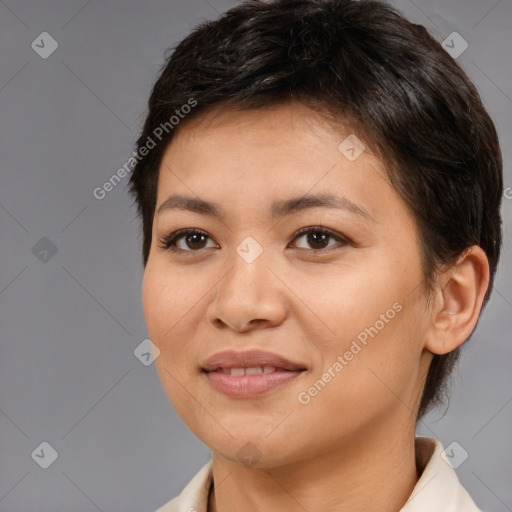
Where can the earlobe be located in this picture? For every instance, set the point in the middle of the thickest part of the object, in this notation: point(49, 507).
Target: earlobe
point(458, 302)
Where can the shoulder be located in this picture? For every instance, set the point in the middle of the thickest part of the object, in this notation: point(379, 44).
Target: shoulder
point(194, 497)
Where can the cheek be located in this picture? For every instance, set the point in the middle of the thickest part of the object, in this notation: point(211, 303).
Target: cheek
point(376, 325)
point(163, 299)
point(346, 301)
point(163, 307)
point(374, 380)
point(171, 300)
point(153, 301)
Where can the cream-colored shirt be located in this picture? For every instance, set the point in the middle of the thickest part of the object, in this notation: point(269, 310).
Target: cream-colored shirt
point(437, 490)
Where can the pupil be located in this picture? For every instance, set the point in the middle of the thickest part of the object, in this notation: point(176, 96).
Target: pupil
point(322, 238)
point(191, 238)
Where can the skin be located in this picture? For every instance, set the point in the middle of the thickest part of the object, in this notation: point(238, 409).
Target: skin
point(351, 448)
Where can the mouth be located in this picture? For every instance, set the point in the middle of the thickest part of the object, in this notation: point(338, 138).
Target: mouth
point(249, 374)
point(254, 370)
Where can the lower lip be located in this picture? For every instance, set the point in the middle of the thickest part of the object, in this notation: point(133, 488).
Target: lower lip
point(248, 386)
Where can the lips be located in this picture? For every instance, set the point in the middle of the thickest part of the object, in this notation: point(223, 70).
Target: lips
point(250, 373)
point(249, 359)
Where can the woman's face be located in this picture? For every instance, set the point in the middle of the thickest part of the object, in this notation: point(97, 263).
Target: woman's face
point(344, 304)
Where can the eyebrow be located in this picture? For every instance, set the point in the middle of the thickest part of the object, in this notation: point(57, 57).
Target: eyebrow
point(278, 209)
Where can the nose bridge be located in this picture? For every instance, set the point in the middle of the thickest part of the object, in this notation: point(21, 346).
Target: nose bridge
point(248, 290)
point(248, 271)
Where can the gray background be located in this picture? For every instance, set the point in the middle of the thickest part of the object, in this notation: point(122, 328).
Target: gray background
point(70, 324)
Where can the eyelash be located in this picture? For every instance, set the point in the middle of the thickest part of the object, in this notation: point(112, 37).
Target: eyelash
point(168, 242)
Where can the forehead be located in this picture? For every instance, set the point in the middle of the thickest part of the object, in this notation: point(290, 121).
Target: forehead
point(288, 118)
point(251, 157)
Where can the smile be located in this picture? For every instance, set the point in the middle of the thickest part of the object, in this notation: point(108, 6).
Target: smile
point(250, 373)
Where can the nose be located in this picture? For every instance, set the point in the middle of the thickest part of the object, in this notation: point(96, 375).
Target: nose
point(249, 297)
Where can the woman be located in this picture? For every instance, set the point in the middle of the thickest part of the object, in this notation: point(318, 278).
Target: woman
point(319, 187)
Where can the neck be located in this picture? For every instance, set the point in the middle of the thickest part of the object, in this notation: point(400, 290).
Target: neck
point(371, 471)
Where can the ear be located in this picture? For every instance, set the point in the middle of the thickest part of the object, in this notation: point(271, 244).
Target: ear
point(458, 301)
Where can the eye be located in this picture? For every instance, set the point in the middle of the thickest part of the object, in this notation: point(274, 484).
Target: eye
point(318, 238)
point(193, 238)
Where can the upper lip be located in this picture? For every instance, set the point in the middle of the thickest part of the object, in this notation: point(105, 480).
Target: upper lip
point(248, 359)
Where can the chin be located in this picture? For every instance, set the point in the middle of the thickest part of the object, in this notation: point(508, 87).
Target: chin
point(257, 455)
